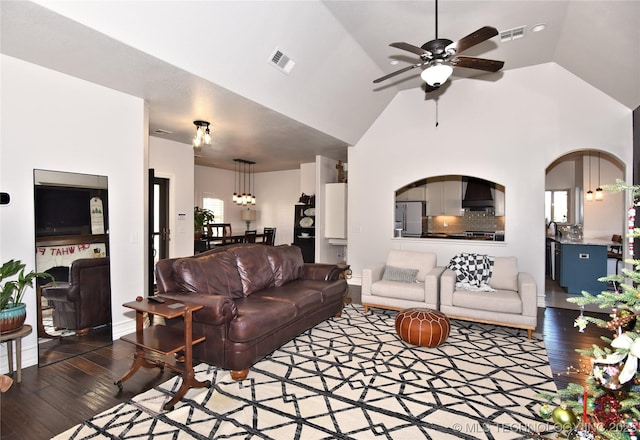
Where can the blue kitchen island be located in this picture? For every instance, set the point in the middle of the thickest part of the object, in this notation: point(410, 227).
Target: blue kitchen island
point(579, 264)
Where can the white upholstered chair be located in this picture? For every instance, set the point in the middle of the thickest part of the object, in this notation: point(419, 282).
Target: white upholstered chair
point(412, 280)
point(512, 304)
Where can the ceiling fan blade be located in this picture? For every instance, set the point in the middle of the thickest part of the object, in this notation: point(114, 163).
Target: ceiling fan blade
point(397, 72)
point(410, 47)
point(477, 63)
point(477, 37)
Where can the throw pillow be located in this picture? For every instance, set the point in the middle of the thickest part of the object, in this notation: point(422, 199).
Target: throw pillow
point(392, 273)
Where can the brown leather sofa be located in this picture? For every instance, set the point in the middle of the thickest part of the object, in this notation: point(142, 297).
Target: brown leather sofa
point(84, 301)
point(256, 298)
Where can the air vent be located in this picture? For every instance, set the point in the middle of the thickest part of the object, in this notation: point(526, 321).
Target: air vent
point(161, 131)
point(512, 34)
point(281, 61)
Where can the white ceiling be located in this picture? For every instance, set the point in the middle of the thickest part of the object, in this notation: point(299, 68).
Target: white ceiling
point(208, 60)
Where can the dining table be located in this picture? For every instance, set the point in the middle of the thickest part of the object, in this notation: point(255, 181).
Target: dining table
point(211, 242)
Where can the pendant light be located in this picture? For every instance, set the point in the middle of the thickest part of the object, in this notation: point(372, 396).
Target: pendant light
point(599, 192)
point(235, 182)
point(589, 193)
point(242, 194)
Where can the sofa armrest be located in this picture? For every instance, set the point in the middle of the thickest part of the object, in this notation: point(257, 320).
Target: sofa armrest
point(217, 309)
point(447, 287)
point(370, 275)
point(528, 294)
point(321, 271)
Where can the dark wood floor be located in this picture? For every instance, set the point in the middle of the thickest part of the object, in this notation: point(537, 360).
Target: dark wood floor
point(57, 397)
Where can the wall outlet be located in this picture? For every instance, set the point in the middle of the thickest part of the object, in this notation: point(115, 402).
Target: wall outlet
point(445, 224)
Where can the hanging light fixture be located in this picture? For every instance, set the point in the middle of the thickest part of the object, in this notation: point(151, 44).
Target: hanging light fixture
point(589, 193)
point(202, 136)
point(599, 192)
point(242, 194)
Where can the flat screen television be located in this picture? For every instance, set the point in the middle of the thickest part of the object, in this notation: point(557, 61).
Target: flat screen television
point(65, 210)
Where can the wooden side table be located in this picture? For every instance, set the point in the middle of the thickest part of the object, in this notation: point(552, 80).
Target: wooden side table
point(17, 337)
point(166, 341)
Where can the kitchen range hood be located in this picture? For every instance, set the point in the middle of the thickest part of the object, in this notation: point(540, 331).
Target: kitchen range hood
point(478, 196)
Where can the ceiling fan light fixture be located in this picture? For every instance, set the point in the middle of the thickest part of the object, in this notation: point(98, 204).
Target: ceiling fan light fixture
point(436, 74)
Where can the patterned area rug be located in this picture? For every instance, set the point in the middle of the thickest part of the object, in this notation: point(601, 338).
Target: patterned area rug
point(353, 378)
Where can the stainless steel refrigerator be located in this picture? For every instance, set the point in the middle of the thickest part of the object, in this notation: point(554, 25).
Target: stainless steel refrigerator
point(408, 219)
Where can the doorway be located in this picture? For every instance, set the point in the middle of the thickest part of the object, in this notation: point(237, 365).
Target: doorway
point(160, 233)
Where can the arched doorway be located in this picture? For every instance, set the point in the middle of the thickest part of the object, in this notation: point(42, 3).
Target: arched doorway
point(582, 219)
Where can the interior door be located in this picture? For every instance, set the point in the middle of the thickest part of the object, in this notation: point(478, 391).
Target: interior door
point(159, 223)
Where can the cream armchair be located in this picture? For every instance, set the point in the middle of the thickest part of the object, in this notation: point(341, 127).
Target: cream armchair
point(412, 280)
point(512, 304)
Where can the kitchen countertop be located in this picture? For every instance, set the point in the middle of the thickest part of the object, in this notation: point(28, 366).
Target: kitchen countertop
point(586, 241)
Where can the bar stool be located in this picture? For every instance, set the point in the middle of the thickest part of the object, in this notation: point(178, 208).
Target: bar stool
point(17, 337)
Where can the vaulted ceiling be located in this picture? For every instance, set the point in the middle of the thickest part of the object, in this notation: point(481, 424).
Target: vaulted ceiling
point(210, 60)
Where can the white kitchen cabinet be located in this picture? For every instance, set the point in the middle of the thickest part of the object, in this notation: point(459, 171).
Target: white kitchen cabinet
point(417, 194)
point(335, 210)
point(498, 200)
point(444, 197)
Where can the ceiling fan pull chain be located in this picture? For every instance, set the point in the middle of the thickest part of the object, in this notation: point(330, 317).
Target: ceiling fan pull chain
point(437, 122)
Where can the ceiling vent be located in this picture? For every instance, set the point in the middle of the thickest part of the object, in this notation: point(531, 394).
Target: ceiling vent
point(281, 61)
point(512, 34)
point(162, 132)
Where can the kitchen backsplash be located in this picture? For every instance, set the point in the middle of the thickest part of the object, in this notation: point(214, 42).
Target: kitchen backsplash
point(470, 221)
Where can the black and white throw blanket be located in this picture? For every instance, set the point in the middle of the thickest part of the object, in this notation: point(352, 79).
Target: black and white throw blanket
point(473, 271)
point(353, 378)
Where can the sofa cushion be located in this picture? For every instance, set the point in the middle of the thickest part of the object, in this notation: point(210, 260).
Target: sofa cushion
point(215, 274)
point(254, 268)
point(392, 273)
point(304, 298)
point(259, 317)
point(286, 263)
point(499, 301)
point(331, 291)
point(396, 289)
point(505, 273)
point(423, 261)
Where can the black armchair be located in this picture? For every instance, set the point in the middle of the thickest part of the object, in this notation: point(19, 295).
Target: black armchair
point(84, 301)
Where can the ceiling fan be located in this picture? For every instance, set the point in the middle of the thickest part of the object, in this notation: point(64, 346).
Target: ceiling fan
point(441, 55)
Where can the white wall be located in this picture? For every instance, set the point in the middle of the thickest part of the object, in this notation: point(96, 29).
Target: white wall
point(506, 131)
point(276, 194)
point(57, 122)
point(174, 161)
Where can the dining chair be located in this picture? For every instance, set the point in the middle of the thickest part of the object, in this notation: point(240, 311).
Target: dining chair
point(269, 236)
point(614, 251)
point(250, 236)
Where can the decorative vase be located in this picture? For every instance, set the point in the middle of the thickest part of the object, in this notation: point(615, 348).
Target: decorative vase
point(12, 318)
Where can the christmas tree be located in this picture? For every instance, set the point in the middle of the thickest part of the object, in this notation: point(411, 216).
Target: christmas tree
point(608, 405)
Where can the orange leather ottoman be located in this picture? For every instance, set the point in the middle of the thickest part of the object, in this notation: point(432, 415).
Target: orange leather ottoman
point(425, 327)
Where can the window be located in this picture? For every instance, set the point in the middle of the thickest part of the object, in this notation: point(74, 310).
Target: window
point(556, 205)
point(215, 205)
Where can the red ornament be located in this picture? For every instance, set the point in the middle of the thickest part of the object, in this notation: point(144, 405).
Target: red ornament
point(607, 410)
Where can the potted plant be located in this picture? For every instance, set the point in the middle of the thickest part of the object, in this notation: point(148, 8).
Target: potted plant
point(201, 217)
point(13, 283)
